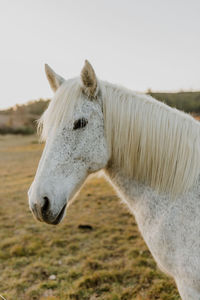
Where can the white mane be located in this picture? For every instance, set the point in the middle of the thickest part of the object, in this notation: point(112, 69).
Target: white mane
point(148, 140)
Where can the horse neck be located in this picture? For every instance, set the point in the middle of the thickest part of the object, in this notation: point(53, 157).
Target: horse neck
point(145, 203)
point(129, 190)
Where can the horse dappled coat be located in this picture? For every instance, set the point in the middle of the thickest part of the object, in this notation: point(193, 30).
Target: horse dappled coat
point(149, 152)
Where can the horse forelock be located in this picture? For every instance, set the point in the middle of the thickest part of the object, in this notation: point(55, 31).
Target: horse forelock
point(60, 108)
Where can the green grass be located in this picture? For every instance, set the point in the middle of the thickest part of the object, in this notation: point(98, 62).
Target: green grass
point(107, 261)
point(186, 101)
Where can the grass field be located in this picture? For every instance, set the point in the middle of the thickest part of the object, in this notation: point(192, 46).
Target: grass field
point(106, 260)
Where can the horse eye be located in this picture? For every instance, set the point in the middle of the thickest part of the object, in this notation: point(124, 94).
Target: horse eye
point(80, 123)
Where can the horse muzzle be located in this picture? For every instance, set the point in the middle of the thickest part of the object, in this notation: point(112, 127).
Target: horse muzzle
point(43, 212)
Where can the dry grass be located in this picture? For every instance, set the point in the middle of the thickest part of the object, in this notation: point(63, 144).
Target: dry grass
point(108, 260)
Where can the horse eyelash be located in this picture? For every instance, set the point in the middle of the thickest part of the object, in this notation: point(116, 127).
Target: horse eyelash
point(80, 123)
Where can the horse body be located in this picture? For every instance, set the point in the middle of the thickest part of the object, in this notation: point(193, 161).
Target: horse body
point(170, 229)
point(148, 151)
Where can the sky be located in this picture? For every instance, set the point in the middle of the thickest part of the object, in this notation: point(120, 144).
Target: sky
point(140, 44)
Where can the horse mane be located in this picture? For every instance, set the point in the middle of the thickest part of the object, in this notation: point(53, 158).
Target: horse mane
point(149, 141)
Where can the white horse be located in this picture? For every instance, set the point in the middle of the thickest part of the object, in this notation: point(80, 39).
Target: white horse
point(149, 152)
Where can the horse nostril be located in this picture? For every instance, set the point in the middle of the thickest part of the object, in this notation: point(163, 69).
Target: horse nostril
point(45, 206)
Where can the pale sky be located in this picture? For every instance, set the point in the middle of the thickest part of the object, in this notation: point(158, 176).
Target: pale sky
point(140, 44)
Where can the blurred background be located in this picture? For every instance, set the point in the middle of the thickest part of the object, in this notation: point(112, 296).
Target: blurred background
point(147, 46)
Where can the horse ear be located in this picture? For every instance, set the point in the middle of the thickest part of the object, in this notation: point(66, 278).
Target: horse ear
point(89, 80)
point(54, 79)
